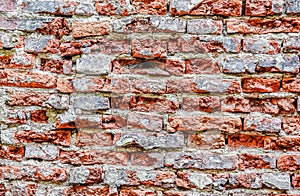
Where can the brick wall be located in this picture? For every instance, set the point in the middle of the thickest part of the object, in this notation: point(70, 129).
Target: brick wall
point(149, 97)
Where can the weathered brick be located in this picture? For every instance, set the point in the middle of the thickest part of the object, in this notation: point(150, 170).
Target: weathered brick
point(256, 161)
point(263, 7)
point(149, 48)
point(291, 85)
point(245, 140)
point(215, 7)
point(205, 104)
point(202, 66)
point(16, 117)
point(262, 124)
point(7, 5)
point(145, 104)
point(148, 86)
point(207, 140)
point(203, 123)
point(204, 26)
point(296, 181)
point(211, 84)
point(44, 151)
point(262, 26)
point(155, 7)
point(288, 162)
point(238, 65)
point(268, 106)
point(41, 44)
point(146, 121)
point(261, 46)
point(150, 24)
point(27, 98)
point(292, 44)
point(32, 173)
point(12, 153)
point(293, 7)
point(238, 180)
point(91, 102)
point(87, 29)
point(85, 84)
point(198, 44)
point(90, 157)
point(110, 8)
point(84, 138)
point(126, 192)
point(193, 180)
point(85, 175)
point(153, 160)
point(290, 143)
point(87, 190)
point(57, 27)
point(111, 46)
point(149, 140)
point(93, 64)
point(291, 125)
point(61, 137)
point(205, 161)
point(260, 85)
point(278, 181)
point(27, 79)
point(8, 24)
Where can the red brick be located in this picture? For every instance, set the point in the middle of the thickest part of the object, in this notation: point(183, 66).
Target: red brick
point(262, 26)
point(261, 46)
point(64, 85)
point(71, 48)
point(145, 104)
point(202, 66)
point(39, 116)
point(215, 7)
point(112, 46)
point(27, 98)
point(288, 162)
point(147, 121)
point(87, 190)
point(260, 85)
point(87, 29)
point(176, 67)
point(182, 85)
point(56, 66)
point(156, 7)
point(18, 60)
point(203, 123)
point(296, 181)
point(90, 157)
point(7, 5)
point(155, 160)
point(245, 140)
point(61, 137)
point(85, 175)
point(57, 27)
point(2, 189)
point(149, 48)
point(263, 7)
point(291, 85)
point(205, 104)
point(269, 106)
point(84, 138)
point(12, 153)
point(110, 8)
point(286, 143)
point(207, 140)
point(291, 125)
point(130, 192)
point(256, 161)
point(27, 79)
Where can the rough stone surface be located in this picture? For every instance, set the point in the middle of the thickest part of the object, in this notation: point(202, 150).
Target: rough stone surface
point(149, 97)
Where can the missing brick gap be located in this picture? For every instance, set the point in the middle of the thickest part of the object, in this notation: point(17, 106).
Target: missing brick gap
point(244, 7)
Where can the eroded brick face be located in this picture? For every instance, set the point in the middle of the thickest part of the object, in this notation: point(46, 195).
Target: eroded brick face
point(149, 97)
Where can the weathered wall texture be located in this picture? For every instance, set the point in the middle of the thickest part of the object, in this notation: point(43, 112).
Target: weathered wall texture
point(149, 97)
